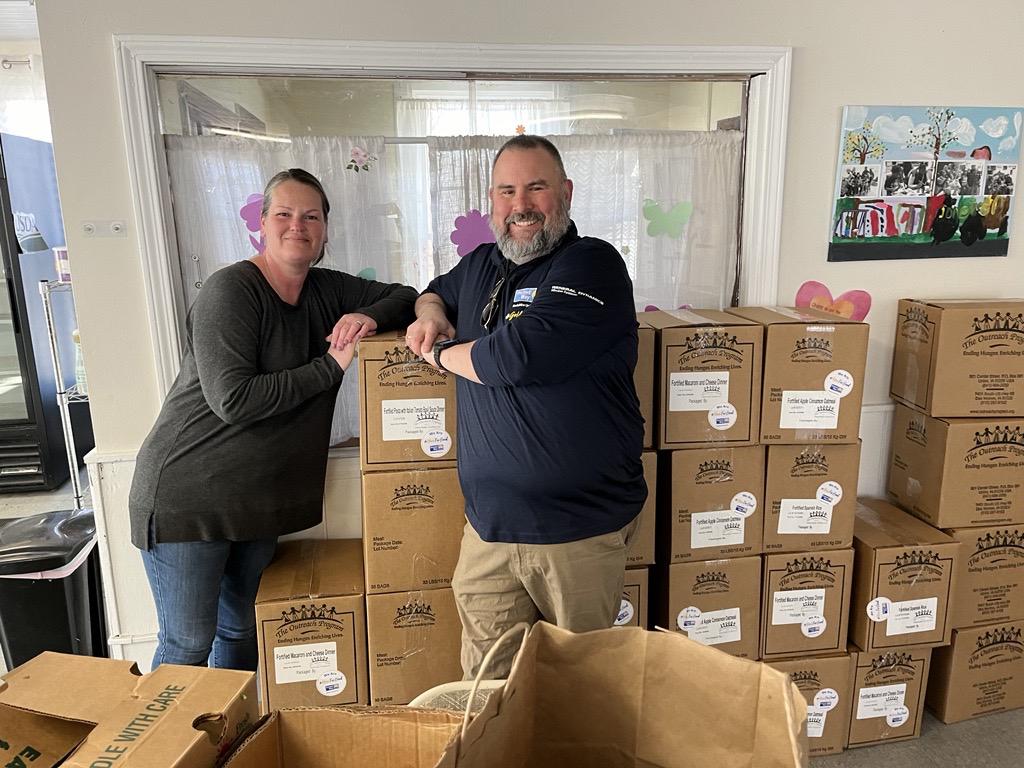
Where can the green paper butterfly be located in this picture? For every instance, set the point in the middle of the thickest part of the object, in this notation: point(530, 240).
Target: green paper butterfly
point(369, 273)
point(662, 223)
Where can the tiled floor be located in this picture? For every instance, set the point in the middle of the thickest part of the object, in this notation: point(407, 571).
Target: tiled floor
point(995, 741)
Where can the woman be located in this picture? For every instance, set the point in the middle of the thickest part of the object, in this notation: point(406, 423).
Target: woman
point(238, 453)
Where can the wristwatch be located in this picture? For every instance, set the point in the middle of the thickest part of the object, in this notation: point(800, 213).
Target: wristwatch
point(441, 346)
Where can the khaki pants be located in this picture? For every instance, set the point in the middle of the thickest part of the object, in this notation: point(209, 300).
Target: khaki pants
point(576, 586)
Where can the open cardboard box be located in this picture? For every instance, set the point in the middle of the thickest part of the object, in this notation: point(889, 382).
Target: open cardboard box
point(83, 712)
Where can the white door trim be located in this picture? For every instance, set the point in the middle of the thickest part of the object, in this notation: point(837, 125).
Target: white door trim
point(139, 57)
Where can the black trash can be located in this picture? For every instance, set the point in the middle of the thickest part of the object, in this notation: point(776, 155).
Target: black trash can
point(51, 596)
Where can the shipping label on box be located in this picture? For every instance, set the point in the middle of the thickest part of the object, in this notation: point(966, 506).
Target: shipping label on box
point(957, 472)
point(414, 641)
point(311, 625)
point(709, 386)
point(810, 497)
point(412, 528)
point(805, 608)
point(813, 375)
point(905, 576)
point(407, 415)
point(824, 682)
point(712, 503)
point(960, 358)
point(633, 606)
point(641, 547)
point(888, 695)
point(991, 583)
point(981, 672)
point(716, 603)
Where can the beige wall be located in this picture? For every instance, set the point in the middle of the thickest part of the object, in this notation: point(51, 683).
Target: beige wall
point(842, 55)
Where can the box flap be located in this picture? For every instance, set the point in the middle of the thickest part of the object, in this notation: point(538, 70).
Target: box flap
point(72, 687)
point(683, 318)
point(880, 524)
point(312, 568)
point(784, 315)
point(369, 737)
point(972, 303)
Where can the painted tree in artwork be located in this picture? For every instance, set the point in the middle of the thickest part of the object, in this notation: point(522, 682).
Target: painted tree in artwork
point(937, 134)
point(862, 144)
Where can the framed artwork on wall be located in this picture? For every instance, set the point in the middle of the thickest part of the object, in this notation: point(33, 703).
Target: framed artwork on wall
point(924, 182)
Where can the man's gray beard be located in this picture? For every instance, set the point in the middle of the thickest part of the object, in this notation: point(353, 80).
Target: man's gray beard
point(552, 230)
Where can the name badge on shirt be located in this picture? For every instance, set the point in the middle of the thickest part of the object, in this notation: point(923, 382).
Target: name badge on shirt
point(524, 295)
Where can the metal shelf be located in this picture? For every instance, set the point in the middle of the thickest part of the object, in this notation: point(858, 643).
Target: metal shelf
point(64, 396)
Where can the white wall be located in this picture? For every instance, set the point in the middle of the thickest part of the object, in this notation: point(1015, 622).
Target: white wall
point(894, 54)
point(839, 58)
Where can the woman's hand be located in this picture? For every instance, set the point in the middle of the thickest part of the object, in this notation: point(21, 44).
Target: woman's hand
point(350, 329)
point(343, 357)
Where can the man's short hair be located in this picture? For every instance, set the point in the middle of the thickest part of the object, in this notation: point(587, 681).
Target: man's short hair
point(528, 141)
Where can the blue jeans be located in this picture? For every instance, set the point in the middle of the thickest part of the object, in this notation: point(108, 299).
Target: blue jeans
point(204, 593)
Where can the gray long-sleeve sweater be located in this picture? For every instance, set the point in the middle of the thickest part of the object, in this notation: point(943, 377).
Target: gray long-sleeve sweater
point(239, 450)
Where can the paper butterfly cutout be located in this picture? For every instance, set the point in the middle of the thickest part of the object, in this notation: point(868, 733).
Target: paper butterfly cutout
point(470, 231)
point(670, 223)
point(251, 213)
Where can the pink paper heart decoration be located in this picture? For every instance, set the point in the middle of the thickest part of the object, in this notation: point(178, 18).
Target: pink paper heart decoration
point(854, 305)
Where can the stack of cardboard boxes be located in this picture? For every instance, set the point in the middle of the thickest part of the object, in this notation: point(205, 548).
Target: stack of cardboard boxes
point(957, 462)
point(413, 516)
point(374, 620)
point(757, 422)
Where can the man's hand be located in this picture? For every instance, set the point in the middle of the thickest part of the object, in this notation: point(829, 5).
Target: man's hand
point(350, 329)
point(431, 324)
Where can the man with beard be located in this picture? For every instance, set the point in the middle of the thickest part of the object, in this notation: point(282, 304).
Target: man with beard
point(541, 331)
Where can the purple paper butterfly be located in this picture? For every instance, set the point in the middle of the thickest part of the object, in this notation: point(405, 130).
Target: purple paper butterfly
point(470, 231)
point(251, 213)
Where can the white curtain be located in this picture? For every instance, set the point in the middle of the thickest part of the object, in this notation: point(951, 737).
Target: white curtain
point(668, 201)
point(213, 177)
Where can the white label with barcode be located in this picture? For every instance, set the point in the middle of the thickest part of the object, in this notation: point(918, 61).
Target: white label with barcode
point(411, 419)
point(909, 616)
point(697, 390)
point(716, 627)
point(792, 606)
point(804, 516)
point(813, 409)
point(721, 528)
point(299, 663)
point(880, 700)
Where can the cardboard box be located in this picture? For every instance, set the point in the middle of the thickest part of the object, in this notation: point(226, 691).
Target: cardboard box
point(712, 503)
point(904, 579)
point(81, 712)
point(981, 672)
point(810, 497)
point(311, 625)
point(824, 682)
point(415, 639)
point(641, 546)
point(806, 603)
point(357, 736)
point(412, 527)
point(715, 602)
point(991, 584)
point(957, 472)
point(813, 375)
point(709, 378)
point(633, 609)
point(407, 417)
point(960, 358)
point(888, 695)
point(644, 375)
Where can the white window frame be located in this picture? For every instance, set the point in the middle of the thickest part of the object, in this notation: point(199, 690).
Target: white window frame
point(138, 58)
